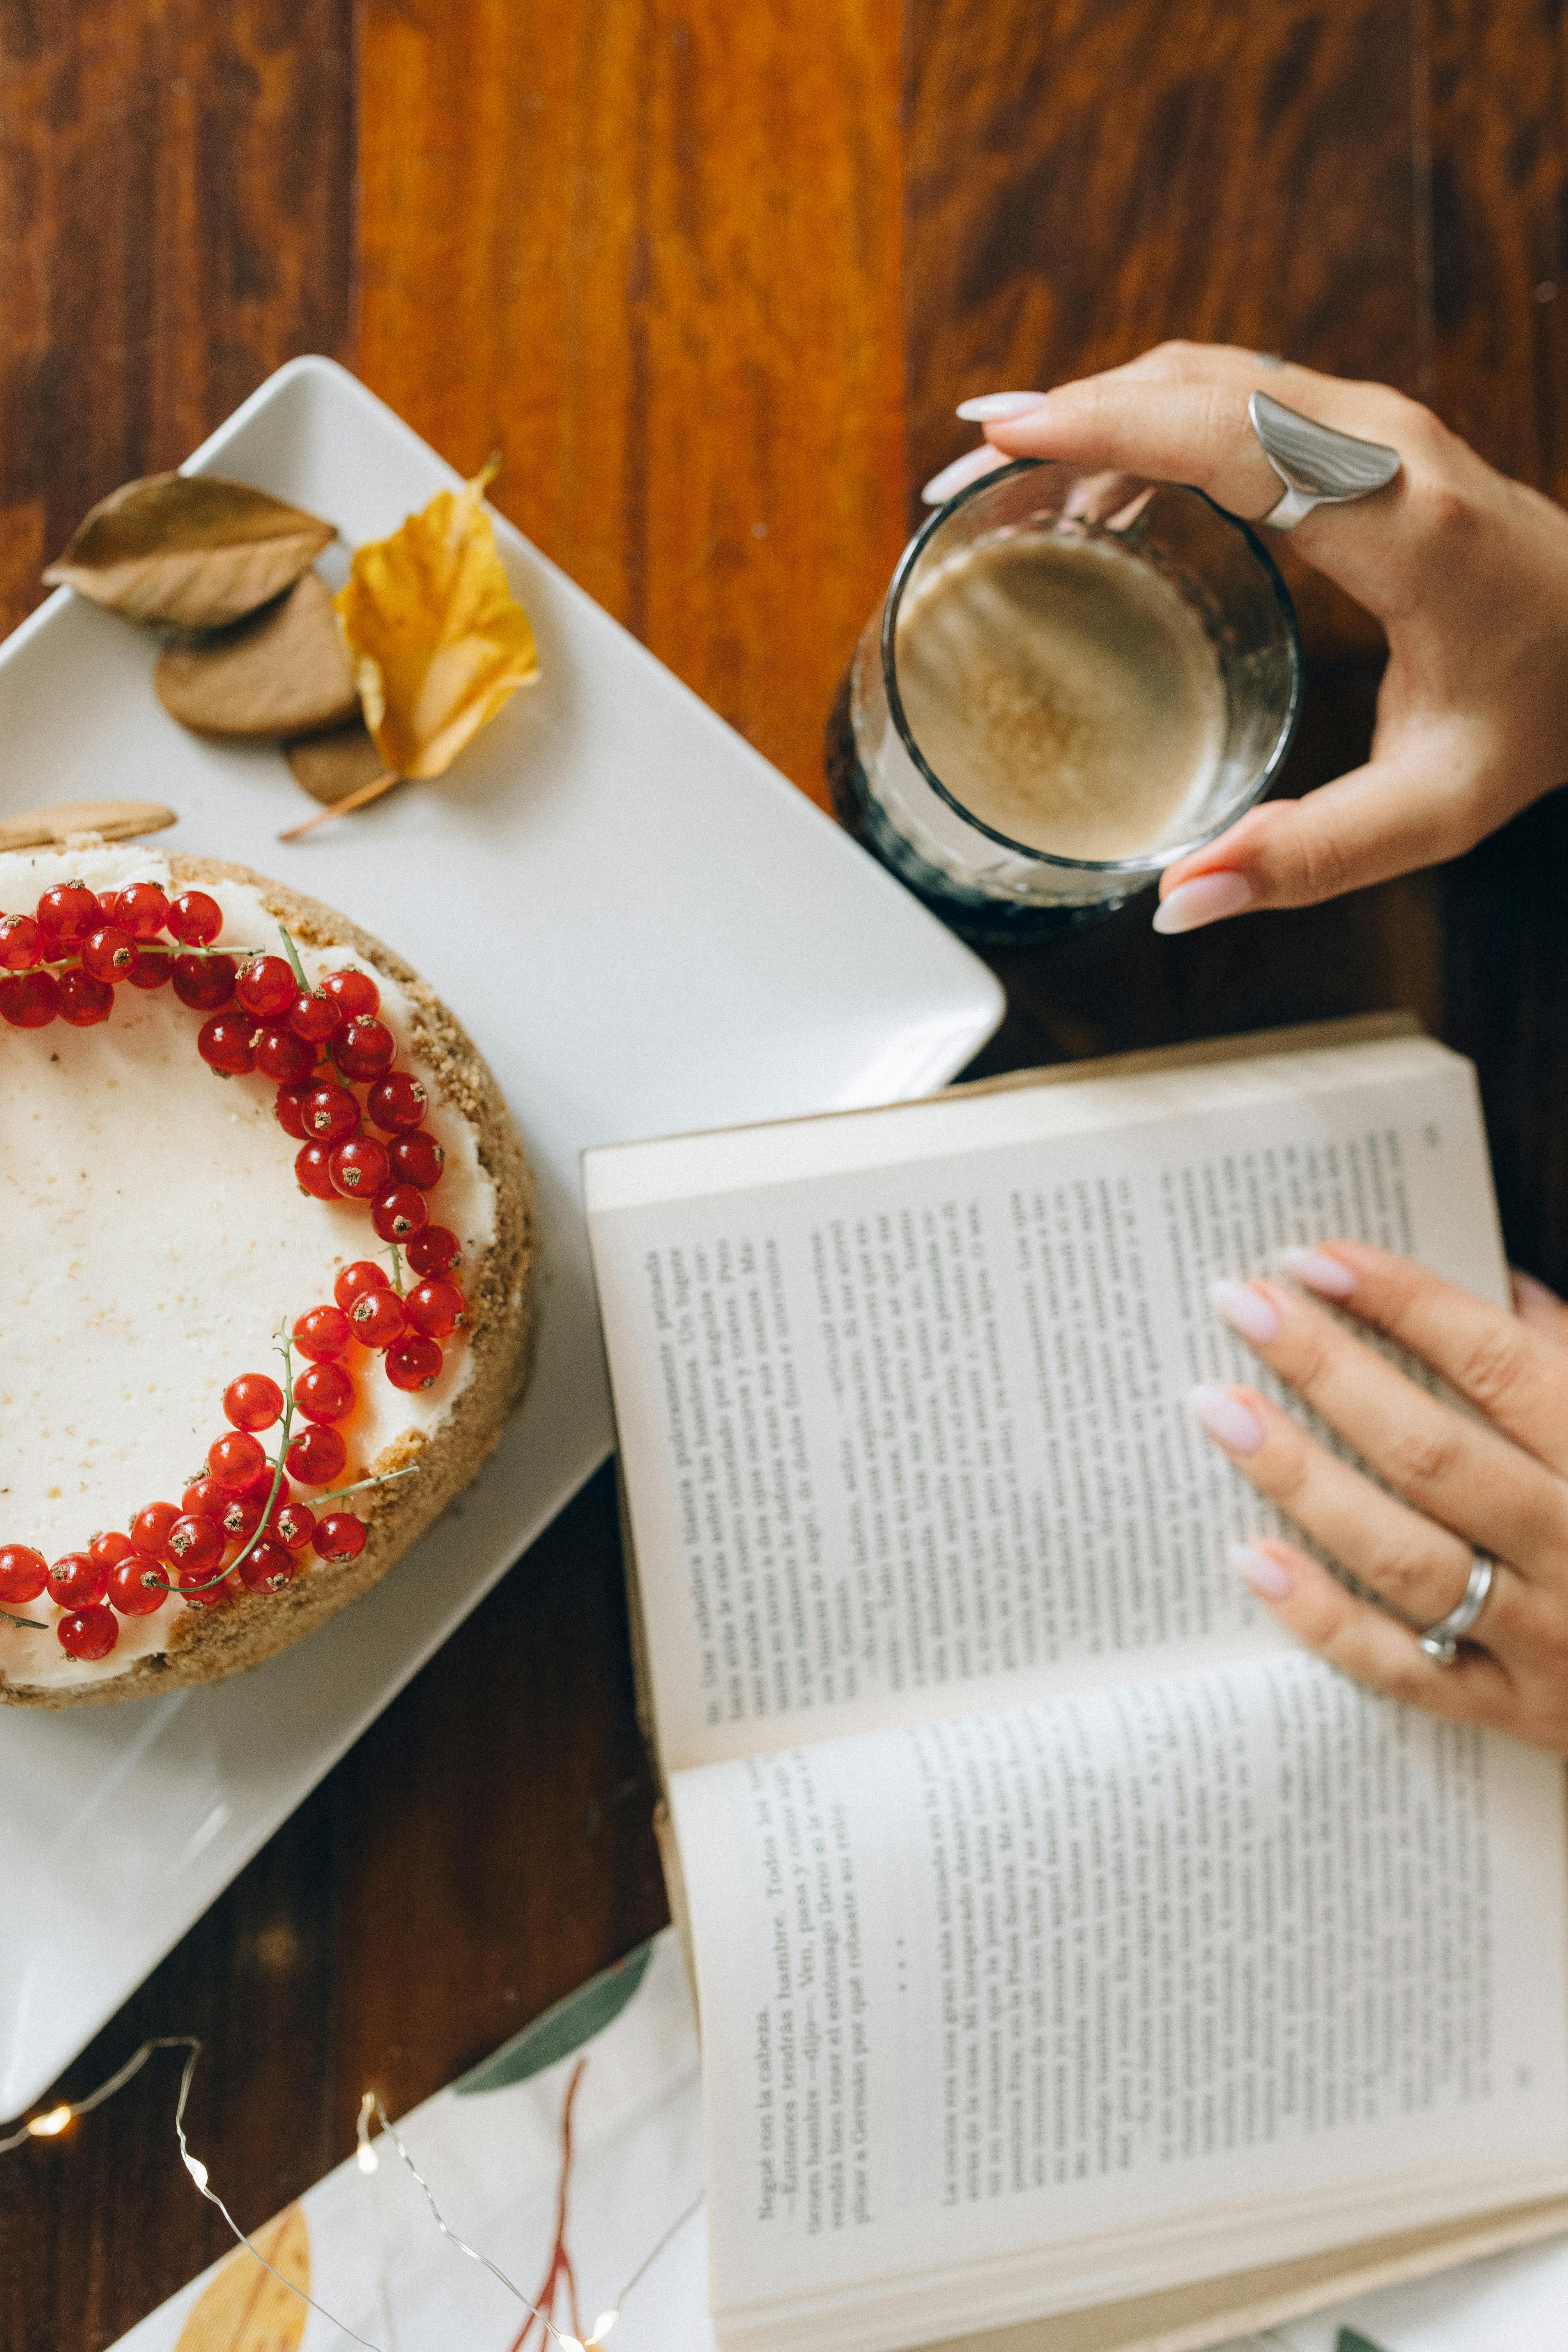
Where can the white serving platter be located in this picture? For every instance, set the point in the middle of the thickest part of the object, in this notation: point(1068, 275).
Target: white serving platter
point(644, 927)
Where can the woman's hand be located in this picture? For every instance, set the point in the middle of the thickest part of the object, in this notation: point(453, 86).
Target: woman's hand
point(1466, 571)
point(1499, 1485)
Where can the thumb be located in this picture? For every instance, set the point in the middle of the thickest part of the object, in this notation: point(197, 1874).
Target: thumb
point(1380, 820)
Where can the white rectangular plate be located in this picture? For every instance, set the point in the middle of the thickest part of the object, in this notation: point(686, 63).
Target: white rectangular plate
point(644, 927)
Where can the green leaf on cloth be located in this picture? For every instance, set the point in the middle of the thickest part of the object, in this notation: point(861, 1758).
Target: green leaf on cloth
point(561, 2030)
point(1351, 2341)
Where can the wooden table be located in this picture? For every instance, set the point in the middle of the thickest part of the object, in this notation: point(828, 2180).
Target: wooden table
point(711, 279)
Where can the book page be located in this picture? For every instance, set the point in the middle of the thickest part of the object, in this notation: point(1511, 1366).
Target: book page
point(901, 1396)
point(1117, 1990)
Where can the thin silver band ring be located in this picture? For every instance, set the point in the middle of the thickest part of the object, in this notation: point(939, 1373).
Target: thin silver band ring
point(1441, 1641)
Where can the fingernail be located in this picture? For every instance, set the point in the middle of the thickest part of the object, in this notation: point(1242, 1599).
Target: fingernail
point(1208, 898)
point(1227, 1421)
point(1265, 1575)
point(1527, 1290)
point(991, 406)
point(962, 471)
point(1319, 1272)
point(1249, 1315)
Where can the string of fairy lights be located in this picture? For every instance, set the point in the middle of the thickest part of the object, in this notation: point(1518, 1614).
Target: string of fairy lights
point(52, 2121)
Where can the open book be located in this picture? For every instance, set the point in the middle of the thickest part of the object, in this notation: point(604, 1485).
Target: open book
point(1079, 1964)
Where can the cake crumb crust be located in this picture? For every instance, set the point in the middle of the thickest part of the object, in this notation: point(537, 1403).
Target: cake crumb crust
point(207, 1644)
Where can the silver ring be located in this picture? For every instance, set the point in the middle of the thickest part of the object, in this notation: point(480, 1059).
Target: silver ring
point(1317, 465)
point(1441, 1641)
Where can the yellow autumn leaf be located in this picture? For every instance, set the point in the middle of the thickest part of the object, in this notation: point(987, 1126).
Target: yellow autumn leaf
point(245, 2309)
point(438, 641)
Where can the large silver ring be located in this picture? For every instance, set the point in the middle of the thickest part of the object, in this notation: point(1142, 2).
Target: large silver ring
point(1441, 1641)
point(1317, 465)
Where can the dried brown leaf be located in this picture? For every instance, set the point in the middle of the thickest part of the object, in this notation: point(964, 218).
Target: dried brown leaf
point(110, 820)
point(189, 548)
point(331, 766)
point(439, 644)
point(283, 671)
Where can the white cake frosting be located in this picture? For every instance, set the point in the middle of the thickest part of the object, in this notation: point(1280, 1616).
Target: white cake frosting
point(156, 1237)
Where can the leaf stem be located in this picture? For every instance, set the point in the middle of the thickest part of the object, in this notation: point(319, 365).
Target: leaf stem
point(355, 800)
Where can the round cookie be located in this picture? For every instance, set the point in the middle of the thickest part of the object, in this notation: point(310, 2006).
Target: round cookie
point(445, 1435)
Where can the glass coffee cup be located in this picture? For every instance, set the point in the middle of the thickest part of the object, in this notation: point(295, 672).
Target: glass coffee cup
point(1074, 679)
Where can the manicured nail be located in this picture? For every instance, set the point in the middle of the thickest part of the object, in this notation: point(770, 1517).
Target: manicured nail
point(1329, 1277)
point(1227, 1421)
point(1265, 1575)
point(1207, 898)
point(1249, 1315)
point(1528, 1292)
point(991, 406)
point(963, 471)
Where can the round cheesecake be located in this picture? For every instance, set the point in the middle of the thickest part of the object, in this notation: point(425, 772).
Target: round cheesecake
point(159, 1240)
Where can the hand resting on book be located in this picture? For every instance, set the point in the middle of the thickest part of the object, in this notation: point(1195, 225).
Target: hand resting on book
point(1466, 571)
point(1497, 1485)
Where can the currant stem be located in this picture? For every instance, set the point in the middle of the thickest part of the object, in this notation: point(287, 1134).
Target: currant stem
point(158, 947)
point(287, 1352)
point(397, 1269)
point(333, 1494)
point(293, 954)
point(31, 1625)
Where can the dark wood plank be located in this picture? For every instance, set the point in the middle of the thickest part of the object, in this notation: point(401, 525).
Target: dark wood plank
point(1089, 178)
point(177, 207)
point(1498, 126)
point(662, 244)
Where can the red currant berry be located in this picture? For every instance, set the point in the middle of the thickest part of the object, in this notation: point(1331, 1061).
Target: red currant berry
point(194, 919)
point(316, 1457)
point(282, 1055)
point(152, 969)
point(237, 1462)
point(29, 999)
point(324, 1393)
point(109, 954)
point(201, 1591)
point(137, 1585)
point(364, 1049)
point(241, 1517)
point(435, 1250)
point(356, 1279)
point(322, 1334)
point(338, 1537)
point(397, 1103)
point(360, 1168)
point(416, 1159)
point(354, 994)
point(141, 909)
point(149, 1528)
point(414, 1362)
point(399, 1212)
point(313, 1168)
point(315, 1017)
point(109, 1548)
point(378, 1318)
point(76, 1581)
point(84, 1002)
point(331, 1114)
point(89, 1633)
point(194, 1541)
point(253, 1401)
point(290, 1109)
point(223, 1044)
point(21, 943)
point(24, 1572)
point(437, 1308)
point(67, 913)
point(294, 1524)
point(204, 982)
point(267, 987)
point(205, 1498)
point(267, 1567)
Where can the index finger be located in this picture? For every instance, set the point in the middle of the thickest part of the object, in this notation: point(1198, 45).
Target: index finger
point(1507, 1369)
